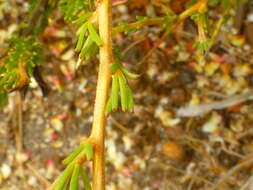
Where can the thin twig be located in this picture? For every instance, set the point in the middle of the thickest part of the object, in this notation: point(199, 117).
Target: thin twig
point(247, 184)
point(201, 109)
point(20, 123)
point(138, 24)
point(132, 45)
point(184, 172)
point(249, 132)
point(38, 175)
point(119, 125)
point(177, 22)
point(192, 181)
point(232, 171)
point(18, 127)
point(117, 3)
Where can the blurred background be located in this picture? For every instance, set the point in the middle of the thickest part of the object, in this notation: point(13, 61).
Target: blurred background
point(153, 148)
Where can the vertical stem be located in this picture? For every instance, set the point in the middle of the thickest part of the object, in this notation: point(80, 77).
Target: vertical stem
point(98, 128)
point(20, 123)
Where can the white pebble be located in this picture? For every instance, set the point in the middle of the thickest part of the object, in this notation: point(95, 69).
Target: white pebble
point(6, 171)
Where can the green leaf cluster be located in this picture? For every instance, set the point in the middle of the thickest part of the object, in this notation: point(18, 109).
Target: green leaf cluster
point(87, 149)
point(88, 41)
point(69, 178)
point(25, 50)
point(72, 9)
point(203, 45)
point(120, 90)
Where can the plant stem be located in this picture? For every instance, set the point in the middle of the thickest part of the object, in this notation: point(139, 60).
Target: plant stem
point(139, 24)
point(176, 23)
point(98, 128)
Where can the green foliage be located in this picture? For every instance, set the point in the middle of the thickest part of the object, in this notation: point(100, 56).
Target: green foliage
point(126, 28)
point(3, 97)
point(42, 22)
point(202, 17)
point(24, 53)
point(123, 91)
point(224, 3)
point(73, 155)
point(191, 3)
point(115, 92)
point(72, 9)
point(203, 46)
point(69, 176)
point(128, 74)
point(120, 90)
point(22, 50)
point(85, 179)
point(42, 19)
point(86, 148)
point(213, 3)
point(74, 179)
point(32, 5)
point(88, 38)
point(88, 41)
point(63, 178)
point(93, 34)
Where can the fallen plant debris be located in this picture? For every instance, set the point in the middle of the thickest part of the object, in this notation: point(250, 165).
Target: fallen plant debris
point(200, 110)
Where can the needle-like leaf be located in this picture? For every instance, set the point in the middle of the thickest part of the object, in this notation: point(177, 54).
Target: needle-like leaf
point(86, 47)
point(74, 178)
point(73, 155)
point(93, 50)
point(80, 41)
point(130, 100)
point(85, 178)
point(128, 74)
point(70, 10)
point(123, 91)
point(88, 148)
point(83, 18)
point(63, 178)
point(115, 92)
point(94, 35)
point(115, 66)
point(108, 108)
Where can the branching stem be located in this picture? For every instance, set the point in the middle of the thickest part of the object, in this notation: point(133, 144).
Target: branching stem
point(98, 127)
point(188, 12)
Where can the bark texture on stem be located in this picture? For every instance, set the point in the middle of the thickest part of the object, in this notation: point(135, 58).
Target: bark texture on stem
point(98, 128)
